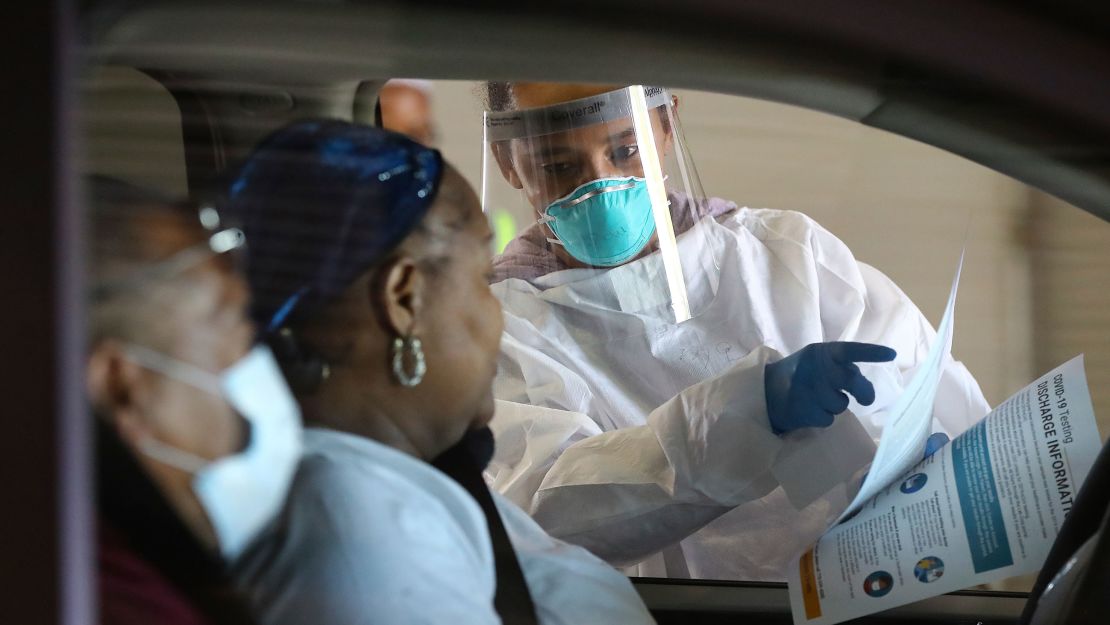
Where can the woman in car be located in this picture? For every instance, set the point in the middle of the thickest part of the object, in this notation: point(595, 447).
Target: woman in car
point(197, 434)
point(368, 264)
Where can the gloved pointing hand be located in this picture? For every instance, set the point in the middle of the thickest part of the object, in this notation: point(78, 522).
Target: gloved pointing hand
point(806, 389)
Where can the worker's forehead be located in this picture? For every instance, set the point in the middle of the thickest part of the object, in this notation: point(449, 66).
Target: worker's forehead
point(533, 94)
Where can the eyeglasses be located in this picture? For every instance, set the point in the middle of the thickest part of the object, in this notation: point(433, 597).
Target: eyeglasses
point(179, 262)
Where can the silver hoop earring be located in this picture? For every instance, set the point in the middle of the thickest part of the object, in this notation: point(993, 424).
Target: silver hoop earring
point(412, 346)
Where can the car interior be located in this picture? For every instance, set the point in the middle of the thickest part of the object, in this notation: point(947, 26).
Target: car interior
point(175, 94)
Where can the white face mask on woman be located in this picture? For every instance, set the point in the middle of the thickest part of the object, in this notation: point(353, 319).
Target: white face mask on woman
point(241, 492)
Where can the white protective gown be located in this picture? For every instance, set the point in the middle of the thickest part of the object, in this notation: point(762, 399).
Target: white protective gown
point(629, 444)
point(372, 535)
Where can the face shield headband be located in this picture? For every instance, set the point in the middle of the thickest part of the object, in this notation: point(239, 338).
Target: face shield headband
point(567, 116)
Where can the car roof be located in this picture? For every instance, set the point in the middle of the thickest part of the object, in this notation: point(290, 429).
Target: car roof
point(965, 80)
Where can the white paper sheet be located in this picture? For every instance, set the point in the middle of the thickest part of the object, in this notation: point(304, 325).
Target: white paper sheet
point(902, 443)
point(986, 507)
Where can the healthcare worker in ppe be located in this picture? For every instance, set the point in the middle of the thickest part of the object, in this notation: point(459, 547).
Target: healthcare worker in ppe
point(672, 363)
point(197, 434)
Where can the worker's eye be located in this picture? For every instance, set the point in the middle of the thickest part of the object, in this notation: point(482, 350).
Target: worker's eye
point(556, 168)
point(625, 153)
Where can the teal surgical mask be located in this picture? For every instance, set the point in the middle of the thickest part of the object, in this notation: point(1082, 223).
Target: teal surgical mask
point(605, 222)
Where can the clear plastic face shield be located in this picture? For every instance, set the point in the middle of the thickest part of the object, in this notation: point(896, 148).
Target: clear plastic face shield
point(610, 209)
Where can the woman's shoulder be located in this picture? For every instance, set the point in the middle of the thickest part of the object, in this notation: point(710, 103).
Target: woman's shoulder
point(345, 472)
point(133, 591)
point(369, 530)
point(353, 498)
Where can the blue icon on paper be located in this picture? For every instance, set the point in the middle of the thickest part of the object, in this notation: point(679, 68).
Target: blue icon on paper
point(928, 569)
point(914, 483)
point(878, 584)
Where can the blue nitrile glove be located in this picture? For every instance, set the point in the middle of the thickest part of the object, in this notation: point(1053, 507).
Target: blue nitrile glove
point(935, 442)
point(806, 389)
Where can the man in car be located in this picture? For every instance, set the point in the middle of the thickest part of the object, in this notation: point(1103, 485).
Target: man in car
point(658, 341)
point(406, 107)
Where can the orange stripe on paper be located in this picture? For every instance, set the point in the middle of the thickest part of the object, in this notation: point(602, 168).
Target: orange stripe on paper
point(809, 586)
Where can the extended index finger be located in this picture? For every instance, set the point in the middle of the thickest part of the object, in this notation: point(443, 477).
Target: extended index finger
point(844, 352)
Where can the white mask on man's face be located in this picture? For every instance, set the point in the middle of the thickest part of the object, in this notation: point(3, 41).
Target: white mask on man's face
point(242, 492)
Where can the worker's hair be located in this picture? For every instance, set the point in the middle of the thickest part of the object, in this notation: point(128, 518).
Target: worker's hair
point(499, 96)
point(120, 245)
